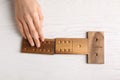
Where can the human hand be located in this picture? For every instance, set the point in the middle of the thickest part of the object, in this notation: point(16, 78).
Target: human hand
point(30, 19)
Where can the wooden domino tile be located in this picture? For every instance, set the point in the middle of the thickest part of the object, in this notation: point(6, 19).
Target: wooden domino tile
point(47, 47)
point(71, 46)
point(96, 47)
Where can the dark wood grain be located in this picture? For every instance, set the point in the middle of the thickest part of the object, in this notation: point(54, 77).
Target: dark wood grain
point(47, 47)
point(96, 47)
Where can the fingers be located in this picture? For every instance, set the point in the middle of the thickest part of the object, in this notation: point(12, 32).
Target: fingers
point(32, 30)
point(21, 28)
point(29, 26)
point(38, 25)
point(40, 16)
point(27, 32)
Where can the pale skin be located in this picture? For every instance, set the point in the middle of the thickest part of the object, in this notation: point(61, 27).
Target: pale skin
point(30, 20)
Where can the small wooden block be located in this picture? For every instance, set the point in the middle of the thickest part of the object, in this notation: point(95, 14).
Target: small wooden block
point(96, 47)
point(80, 46)
point(63, 46)
point(47, 47)
point(71, 46)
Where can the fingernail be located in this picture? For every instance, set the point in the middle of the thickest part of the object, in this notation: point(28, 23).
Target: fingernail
point(32, 44)
point(42, 40)
point(38, 46)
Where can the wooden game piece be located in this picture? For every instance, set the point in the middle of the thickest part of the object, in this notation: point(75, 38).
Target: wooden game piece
point(71, 46)
point(96, 47)
point(47, 47)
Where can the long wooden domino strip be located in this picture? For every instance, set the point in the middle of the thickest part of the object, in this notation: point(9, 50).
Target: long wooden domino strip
point(93, 46)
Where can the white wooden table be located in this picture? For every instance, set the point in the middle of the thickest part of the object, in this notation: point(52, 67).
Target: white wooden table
point(63, 18)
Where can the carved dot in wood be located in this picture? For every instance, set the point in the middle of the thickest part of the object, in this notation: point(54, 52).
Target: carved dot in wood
point(60, 50)
point(96, 39)
point(68, 50)
point(96, 54)
point(25, 48)
point(33, 49)
point(61, 41)
point(69, 41)
point(43, 50)
point(48, 50)
point(47, 42)
point(64, 50)
point(79, 46)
